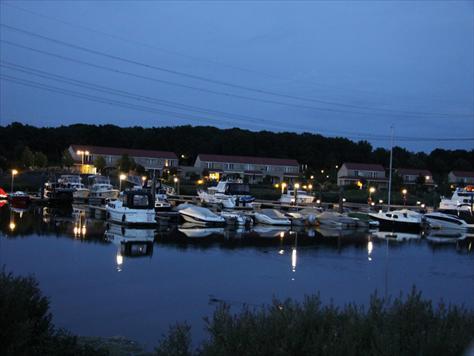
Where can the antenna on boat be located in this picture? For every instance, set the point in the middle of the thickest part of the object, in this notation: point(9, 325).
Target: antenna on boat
point(390, 170)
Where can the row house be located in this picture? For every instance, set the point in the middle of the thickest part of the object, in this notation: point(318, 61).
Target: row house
point(254, 169)
point(412, 176)
point(85, 156)
point(355, 173)
point(461, 177)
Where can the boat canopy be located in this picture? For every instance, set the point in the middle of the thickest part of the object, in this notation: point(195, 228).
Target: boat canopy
point(138, 199)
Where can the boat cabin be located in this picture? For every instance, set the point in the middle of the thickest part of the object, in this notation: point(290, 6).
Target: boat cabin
point(138, 199)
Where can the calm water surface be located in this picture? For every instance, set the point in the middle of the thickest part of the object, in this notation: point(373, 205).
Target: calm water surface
point(104, 280)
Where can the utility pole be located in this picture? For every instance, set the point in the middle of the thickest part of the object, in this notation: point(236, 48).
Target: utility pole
point(390, 169)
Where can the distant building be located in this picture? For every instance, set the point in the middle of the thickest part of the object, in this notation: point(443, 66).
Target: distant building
point(411, 176)
point(85, 156)
point(352, 173)
point(461, 177)
point(252, 168)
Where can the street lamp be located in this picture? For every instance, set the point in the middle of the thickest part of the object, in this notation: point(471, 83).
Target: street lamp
point(297, 186)
point(121, 178)
point(283, 186)
point(14, 173)
point(371, 191)
point(176, 184)
point(404, 192)
point(310, 188)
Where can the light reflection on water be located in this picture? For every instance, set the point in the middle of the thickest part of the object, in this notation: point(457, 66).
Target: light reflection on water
point(105, 279)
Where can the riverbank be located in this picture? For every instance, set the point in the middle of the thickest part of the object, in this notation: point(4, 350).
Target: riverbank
point(407, 324)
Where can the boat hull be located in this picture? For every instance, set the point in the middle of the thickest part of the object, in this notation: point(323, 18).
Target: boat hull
point(127, 216)
point(390, 225)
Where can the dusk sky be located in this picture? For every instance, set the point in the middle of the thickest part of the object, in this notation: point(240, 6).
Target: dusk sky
point(340, 68)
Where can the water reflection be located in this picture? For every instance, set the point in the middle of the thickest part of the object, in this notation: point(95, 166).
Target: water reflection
point(130, 242)
point(77, 223)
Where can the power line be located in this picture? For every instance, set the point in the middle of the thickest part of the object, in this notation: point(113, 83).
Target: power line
point(190, 87)
point(214, 81)
point(112, 102)
point(140, 97)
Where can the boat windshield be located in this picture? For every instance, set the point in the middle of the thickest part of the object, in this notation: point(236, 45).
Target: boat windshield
point(237, 189)
point(140, 201)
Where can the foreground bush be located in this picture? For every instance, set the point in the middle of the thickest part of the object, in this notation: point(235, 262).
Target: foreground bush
point(25, 322)
point(403, 326)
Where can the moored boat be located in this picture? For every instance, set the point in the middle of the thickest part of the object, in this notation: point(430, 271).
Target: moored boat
point(398, 220)
point(227, 194)
point(200, 215)
point(271, 217)
point(134, 207)
point(438, 220)
point(19, 199)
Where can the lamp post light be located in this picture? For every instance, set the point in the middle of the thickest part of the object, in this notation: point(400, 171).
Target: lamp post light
point(14, 173)
point(371, 191)
point(310, 188)
point(121, 178)
point(176, 184)
point(283, 186)
point(404, 193)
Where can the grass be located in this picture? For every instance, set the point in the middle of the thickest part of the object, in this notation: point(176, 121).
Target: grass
point(400, 326)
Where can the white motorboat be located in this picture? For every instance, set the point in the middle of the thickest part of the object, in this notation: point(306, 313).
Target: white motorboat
point(199, 215)
point(460, 204)
point(235, 218)
point(227, 194)
point(81, 193)
point(132, 207)
point(437, 220)
point(101, 189)
point(334, 219)
point(271, 217)
point(399, 220)
point(296, 197)
point(161, 200)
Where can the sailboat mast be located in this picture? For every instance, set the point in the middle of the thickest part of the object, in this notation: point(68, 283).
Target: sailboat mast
point(390, 169)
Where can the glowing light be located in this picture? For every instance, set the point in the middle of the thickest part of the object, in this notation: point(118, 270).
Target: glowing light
point(322, 171)
point(119, 259)
point(143, 178)
point(297, 185)
point(175, 179)
point(318, 201)
point(305, 187)
point(86, 153)
point(84, 230)
point(327, 176)
point(312, 177)
point(76, 230)
point(380, 201)
point(293, 260)
point(427, 177)
point(337, 166)
point(310, 186)
point(79, 152)
point(404, 191)
point(12, 225)
point(277, 185)
point(123, 177)
point(281, 252)
point(423, 206)
point(359, 184)
point(200, 181)
point(418, 202)
point(343, 200)
point(372, 204)
point(370, 247)
point(282, 234)
point(372, 189)
point(14, 172)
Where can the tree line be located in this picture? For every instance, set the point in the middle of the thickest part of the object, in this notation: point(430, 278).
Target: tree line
point(313, 150)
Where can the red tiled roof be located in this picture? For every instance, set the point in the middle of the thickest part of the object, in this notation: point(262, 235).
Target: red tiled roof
point(365, 166)
point(414, 172)
point(115, 151)
point(248, 160)
point(366, 178)
point(463, 174)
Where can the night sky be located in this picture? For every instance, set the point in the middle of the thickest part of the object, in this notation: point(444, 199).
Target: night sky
point(340, 68)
